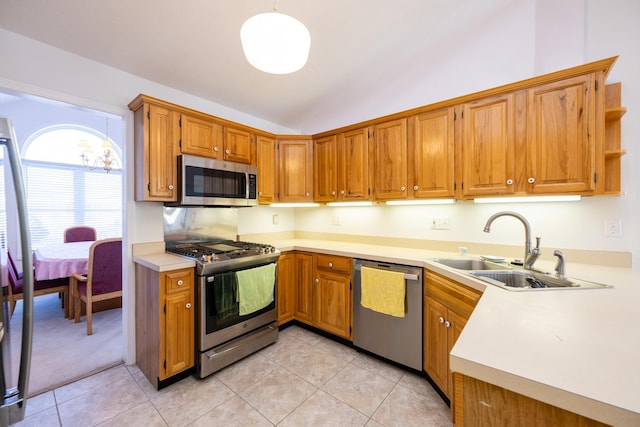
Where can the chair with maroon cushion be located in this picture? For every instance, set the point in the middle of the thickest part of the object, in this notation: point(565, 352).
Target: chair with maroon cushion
point(40, 287)
point(103, 280)
point(80, 233)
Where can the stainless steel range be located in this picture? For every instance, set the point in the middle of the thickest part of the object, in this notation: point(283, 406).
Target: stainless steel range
point(236, 299)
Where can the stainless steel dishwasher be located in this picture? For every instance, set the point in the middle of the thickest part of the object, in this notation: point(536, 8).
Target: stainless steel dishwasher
point(395, 338)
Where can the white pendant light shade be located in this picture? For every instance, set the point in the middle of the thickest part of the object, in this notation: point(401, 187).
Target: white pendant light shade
point(275, 43)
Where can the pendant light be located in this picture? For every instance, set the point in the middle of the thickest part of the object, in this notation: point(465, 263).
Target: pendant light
point(275, 43)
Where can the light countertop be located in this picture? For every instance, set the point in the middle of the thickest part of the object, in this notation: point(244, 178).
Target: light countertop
point(575, 349)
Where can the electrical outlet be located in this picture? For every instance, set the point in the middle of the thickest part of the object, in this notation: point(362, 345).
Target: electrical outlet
point(335, 220)
point(440, 223)
point(275, 219)
point(613, 227)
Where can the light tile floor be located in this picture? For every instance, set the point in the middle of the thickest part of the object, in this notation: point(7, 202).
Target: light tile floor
point(302, 380)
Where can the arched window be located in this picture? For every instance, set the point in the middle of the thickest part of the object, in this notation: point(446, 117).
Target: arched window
point(67, 183)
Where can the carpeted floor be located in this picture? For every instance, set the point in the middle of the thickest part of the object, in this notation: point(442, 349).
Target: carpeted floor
point(62, 352)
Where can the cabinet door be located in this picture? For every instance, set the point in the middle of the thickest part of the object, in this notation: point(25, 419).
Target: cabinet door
point(353, 165)
point(304, 288)
point(561, 136)
point(435, 342)
point(432, 149)
point(390, 157)
point(295, 164)
point(325, 169)
point(201, 137)
point(332, 311)
point(178, 322)
point(454, 329)
point(159, 155)
point(238, 145)
point(488, 146)
point(287, 281)
point(267, 169)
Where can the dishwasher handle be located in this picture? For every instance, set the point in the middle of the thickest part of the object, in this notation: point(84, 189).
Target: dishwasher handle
point(407, 276)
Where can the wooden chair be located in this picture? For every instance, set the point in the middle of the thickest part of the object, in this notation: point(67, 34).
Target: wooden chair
point(80, 233)
point(40, 287)
point(103, 280)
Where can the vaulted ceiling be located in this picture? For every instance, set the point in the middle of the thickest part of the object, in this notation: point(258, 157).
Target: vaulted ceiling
point(361, 50)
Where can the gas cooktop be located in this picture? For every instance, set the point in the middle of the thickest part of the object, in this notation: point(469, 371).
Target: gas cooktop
point(223, 255)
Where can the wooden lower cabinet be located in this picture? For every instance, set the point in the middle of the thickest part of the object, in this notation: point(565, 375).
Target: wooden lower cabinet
point(333, 296)
point(287, 280)
point(321, 287)
point(478, 403)
point(447, 306)
point(165, 322)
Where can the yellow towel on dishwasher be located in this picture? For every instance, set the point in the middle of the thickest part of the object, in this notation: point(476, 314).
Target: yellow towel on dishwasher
point(255, 288)
point(383, 291)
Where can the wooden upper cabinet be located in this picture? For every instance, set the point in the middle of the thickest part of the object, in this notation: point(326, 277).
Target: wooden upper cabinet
point(325, 169)
point(341, 167)
point(353, 165)
point(488, 146)
point(390, 160)
point(155, 140)
point(238, 145)
point(432, 149)
point(267, 169)
point(295, 175)
point(561, 136)
point(201, 136)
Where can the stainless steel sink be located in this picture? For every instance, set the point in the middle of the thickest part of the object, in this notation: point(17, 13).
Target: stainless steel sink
point(530, 280)
point(471, 264)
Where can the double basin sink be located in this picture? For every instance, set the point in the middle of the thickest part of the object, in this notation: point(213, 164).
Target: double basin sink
point(512, 277)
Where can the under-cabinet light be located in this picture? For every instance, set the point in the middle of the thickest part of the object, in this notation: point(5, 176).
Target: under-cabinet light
point(350, 204)
point(294, 205)
point(569, 198)
point(422, 202)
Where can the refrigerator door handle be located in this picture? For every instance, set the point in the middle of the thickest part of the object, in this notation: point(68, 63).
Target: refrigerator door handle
point(13, 403)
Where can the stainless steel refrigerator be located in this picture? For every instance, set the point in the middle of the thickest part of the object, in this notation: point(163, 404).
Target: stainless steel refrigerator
point(14, 394)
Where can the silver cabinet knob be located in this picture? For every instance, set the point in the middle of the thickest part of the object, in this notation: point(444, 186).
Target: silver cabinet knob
point(415, 187)
point(403, 188)
point(317, 280)
point(215, 149)
point(259, 193)
point(227, 151)
point(188, 305)
point(531, 180)
point(306, 194)
point(342, 192)
point(333, 193)
point(170, 186)
point(330, 265)
point(447, 324)
point(441, 319)
point(180, 283)
point(509, 182)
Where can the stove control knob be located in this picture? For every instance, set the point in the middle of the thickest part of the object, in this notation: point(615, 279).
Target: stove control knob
point(273, 249)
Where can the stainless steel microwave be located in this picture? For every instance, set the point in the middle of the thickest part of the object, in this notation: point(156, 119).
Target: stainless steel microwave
point(208, 182)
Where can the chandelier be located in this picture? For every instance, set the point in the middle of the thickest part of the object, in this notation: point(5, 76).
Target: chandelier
point(107, 161)
point(275, 43)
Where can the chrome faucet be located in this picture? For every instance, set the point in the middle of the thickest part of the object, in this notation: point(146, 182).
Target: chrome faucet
point(561, 272)
point(530, 257)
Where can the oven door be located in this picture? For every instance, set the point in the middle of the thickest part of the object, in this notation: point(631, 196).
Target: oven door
point(219, 314)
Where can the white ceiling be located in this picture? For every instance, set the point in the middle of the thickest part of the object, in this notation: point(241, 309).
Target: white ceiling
point(194, 46)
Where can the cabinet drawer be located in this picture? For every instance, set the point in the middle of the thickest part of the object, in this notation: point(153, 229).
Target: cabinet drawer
point(334, 263)
point(179, 280)
point(454, 295)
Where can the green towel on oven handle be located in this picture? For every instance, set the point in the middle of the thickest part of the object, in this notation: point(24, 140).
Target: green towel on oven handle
point(255, 288)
